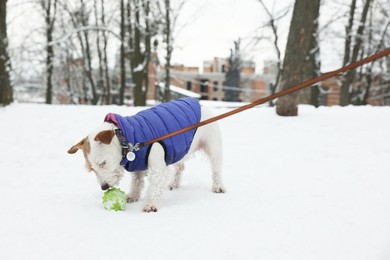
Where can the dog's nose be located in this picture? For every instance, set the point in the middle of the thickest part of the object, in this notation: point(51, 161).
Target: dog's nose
point(105, 186)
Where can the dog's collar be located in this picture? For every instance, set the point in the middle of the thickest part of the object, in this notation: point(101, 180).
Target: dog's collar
point(123, 141)
point(127, 148)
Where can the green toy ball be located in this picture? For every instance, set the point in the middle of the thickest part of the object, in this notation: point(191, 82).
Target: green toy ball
point(114, 199)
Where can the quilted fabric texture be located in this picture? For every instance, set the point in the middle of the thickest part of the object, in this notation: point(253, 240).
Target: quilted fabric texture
point(156, 122)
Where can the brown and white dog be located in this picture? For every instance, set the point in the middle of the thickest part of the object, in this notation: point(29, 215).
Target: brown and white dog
point(103, 154)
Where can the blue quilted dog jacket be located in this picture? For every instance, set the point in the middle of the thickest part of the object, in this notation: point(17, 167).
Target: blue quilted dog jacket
point(156, 122)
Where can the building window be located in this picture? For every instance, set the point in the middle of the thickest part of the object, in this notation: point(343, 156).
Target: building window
point(189, 85)
point(223, 68)
point(204, 90)
point(215, 86)
point(324, 99)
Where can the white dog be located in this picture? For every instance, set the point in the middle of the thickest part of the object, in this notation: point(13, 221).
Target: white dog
point(105, 150)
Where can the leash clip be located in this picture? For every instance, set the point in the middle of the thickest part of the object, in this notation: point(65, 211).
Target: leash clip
point(135, 147)
point(127, 148)
point(130, 156)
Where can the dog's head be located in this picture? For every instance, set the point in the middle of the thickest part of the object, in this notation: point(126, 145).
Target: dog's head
point(102, 153)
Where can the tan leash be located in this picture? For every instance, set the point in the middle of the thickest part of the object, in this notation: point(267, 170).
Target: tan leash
point(271, 97)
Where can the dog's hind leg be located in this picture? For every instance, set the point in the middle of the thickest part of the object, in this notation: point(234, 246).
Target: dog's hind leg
point(137, 185)
point(212, 146)
point(179, 168)
point(158, 176)
point(216, 167)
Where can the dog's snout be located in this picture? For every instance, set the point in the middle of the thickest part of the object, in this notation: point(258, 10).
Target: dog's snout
point(105, 186)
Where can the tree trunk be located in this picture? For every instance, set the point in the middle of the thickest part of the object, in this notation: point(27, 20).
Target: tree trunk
point(348, 34)
point(137, 71)
point(167, 92)
point(6, 92)
point(80, 18)
point(122, 57)
point(88, 55)
point(350, 75)
point(312, 68)
point(148, 48)
point(75, 22)
point(105, 58)
point(380, 45)
point(274, 29)
point(99, 52)
point(49, 67)
point(50, 9)
point(278, 63)
point(299, 45)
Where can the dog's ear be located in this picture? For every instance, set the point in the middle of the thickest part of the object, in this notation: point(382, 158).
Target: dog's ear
point(77, 146)
point(105, 137)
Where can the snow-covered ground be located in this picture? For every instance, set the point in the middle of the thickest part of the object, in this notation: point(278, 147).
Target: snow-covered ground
point(315, 186)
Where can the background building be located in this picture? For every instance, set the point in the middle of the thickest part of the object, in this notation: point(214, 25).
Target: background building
point(209, 84)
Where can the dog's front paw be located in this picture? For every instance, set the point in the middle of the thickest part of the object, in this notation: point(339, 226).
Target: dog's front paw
point(219, 189)
point(150, 209)
point(173, 186)
point(131, 199)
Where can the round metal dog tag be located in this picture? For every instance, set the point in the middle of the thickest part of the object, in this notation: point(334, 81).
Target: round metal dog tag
point(130, 156)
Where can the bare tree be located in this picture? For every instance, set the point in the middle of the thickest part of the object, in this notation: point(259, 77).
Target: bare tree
point(272, 23)
point(350, 75)
point(6, 92)
point(169, 21)
point(312, 68)
point(84, 19)
point(80, 19)
point(105, 57)
point(103, 82)
point(137, 64)
point(168, 39)
point(142, 27)
point(74, 19)
point(148, 39)
point(232, 76)
point(100, 81)
point(382, 31)
point(49, 8)
point(71, 62)
point(87, 82)
point(122, 54)
point(348, 33)
point(299, 45)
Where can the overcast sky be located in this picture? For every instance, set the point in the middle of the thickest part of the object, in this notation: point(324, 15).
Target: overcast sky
point(219, 23)
point(216, 24)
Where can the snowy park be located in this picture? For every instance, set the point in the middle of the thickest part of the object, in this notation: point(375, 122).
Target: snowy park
point(306, 162)
point(314, 186)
